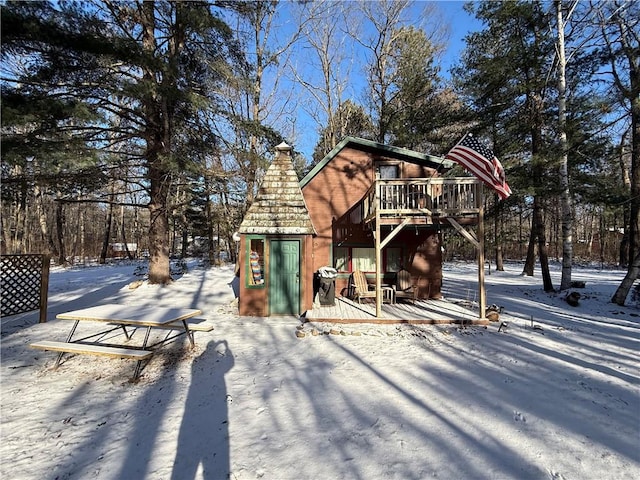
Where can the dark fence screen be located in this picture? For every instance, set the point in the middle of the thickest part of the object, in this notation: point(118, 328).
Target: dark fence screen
point(24, 284)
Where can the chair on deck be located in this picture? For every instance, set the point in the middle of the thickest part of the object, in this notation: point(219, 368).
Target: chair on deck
point(404, 287)
point(361, 287)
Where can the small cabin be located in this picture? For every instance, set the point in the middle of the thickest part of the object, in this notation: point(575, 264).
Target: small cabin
point(122, 250)
point(366, 206)
point(276, 248)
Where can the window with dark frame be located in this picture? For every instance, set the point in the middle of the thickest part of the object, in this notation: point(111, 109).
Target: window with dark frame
point(389, 172)
point(255, 262)
point(347, 259)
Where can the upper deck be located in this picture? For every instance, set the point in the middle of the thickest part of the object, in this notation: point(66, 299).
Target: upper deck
point(420, 200)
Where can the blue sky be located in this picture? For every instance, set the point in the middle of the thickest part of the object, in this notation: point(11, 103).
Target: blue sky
point(460, 24)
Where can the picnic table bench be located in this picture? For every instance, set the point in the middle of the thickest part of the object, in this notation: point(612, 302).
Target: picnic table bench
point(121, 317)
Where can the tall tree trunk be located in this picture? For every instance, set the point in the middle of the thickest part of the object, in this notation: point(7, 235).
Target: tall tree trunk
point(42, 220)
point(538, 232)
point(181, 221)
point(498, 235)
point(137, 232)
point(211, 252)
point(159, 272)
point(159, 110)
point(83, 246)
point(520, 231)
point(622, 45)
point(530, 261)
point(630, 50)
point(76, 231)
point(601, 234)
point(107, 234)
point(4, 231)
point(633, 271)
point(623, 250)
point(565, 198)
point(60, 226)
point(634, 212)
point(184, 245)
point(264, 13)
point(123, 232)
point(20, 219)
point(623, 257)
point(538, 227)
point(627, 282)
point(158, 243)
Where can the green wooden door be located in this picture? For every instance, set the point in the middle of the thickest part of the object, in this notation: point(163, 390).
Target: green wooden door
point(284, 277)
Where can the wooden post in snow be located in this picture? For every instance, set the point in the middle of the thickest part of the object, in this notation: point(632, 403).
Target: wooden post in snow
point(482, 302)
point(376, 204)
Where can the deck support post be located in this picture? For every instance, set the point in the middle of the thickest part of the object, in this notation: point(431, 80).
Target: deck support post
point(378, 252)
point(482, 301)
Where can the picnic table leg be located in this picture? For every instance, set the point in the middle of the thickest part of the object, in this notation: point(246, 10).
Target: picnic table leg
point(126, 334)
point(189, 334)
point(73, 330)
point(136, 374)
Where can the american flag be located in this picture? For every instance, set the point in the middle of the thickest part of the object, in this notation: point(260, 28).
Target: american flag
point(481, 162)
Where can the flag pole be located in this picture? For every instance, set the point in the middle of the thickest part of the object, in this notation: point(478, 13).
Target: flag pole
point(437, 170)
point(459, 142)
point(482, 301)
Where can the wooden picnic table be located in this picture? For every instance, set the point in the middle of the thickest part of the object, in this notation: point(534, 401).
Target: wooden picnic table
point(121, 317)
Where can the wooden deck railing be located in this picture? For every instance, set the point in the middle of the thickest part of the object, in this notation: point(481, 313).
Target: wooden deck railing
point(422, 196)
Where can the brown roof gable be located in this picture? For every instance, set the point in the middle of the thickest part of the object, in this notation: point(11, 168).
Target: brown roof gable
point(279, 206)
point(388, 151)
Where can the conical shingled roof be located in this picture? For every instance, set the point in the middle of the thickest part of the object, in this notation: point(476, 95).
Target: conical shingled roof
point(279, 207)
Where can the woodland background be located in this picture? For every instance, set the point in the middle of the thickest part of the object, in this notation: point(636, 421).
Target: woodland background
point(153, 122)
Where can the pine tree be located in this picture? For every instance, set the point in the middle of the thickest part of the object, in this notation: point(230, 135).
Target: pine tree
point(503, 73)
point(139, 67)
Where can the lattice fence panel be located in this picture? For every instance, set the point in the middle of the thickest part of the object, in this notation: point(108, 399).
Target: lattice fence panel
point(24, 284)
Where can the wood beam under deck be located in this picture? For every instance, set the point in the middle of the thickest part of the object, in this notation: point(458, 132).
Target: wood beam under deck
point(468, 234)
point(425, 202)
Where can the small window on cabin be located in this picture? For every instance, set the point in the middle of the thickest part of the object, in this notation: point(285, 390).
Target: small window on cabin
point(355, 216)
point(255, 259)
point(341, 259)
point(388, 172)
point(348, 259)
point(363, 259)
point(394, 259)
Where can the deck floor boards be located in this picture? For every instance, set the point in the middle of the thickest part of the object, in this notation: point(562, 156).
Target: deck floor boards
point(431, 311)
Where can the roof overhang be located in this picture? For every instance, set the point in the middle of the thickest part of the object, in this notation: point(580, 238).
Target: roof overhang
point(388, 151)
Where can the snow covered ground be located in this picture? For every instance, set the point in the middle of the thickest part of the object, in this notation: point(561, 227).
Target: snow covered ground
point(554, 396)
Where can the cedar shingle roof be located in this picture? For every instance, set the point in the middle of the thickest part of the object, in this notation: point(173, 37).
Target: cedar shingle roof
point(279, 206)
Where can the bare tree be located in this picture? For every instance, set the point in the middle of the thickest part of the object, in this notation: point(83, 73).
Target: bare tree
point(619, 22)
point(332, 60)
point(385, 18)
point(260, 107)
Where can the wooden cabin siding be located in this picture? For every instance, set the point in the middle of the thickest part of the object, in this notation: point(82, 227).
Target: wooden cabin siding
point(422, 257)
point(340, 187)
point(331, 193)
point(426, 266)
point(411, 170)
point(306, 273)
